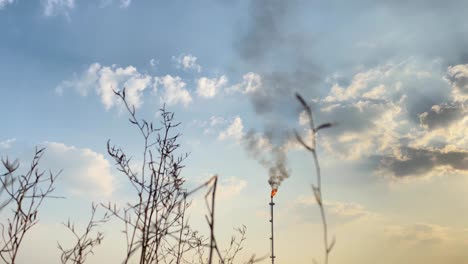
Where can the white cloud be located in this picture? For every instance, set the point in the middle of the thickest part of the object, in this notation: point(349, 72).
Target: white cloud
point(347, 210)
point(419, 233)
point(85, 172)
point(82, 83)
point(359, 85)
point(122, 3)
point(251, 82)
point(382, 116)
point(372, 112)
point(458, 77)
point(234, 131)
point(210, 126)
point(383, 81)
point(303, 118)
point(56, 7)
point(209, 87)
point(230, 188)
point(338, 212)
point(376, 93)
point(4, 3)
point(216, 120)
point(174, 90)
point(452, 135)
point(113, 78)
point(154, 62)
point(125, 3)
point(187, 62)
point(364, 128)
point(105, 79)
point(7, 144)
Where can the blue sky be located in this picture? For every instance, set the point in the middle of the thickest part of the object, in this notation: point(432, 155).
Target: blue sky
point(392, 74)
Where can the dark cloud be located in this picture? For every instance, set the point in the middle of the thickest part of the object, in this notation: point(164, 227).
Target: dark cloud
point(441, 116)
point(339, 36)
point(351, 118)
point(458, 78)
point(423, 94)
point(404, 46)
point(419, 162)
point(295, 45)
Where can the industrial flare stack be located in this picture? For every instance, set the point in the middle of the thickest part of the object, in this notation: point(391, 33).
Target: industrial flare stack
point(273, 192)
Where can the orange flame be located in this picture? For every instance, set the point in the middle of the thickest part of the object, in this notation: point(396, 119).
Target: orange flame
point(273, 192)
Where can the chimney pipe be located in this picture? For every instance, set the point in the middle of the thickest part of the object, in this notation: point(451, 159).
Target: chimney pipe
point(272, 237)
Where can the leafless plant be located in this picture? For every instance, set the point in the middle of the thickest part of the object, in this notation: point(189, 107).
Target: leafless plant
point(235, 245)
point(26, 194)
point(155, 226)
point(8, 179)
point(85, 242)
point(317, 188)
point(210, 218)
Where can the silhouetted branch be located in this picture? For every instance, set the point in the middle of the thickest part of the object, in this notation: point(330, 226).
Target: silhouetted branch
point(155, 225)
point(317, 189)
point(85, 242)
point(156, 228)
point(26, 194)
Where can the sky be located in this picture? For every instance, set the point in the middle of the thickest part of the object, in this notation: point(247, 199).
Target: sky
point(392, 76)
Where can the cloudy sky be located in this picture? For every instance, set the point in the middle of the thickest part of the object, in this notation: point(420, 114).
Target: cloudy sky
point(393, 75)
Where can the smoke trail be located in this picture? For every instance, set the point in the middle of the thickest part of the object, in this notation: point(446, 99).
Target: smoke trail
point(271, 157)
point(278, 172)
point(285, 63)
point(273, 47)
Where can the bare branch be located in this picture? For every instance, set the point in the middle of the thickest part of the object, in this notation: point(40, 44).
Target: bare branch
point(317, 189)
point(85, 242)
point(25, 196)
